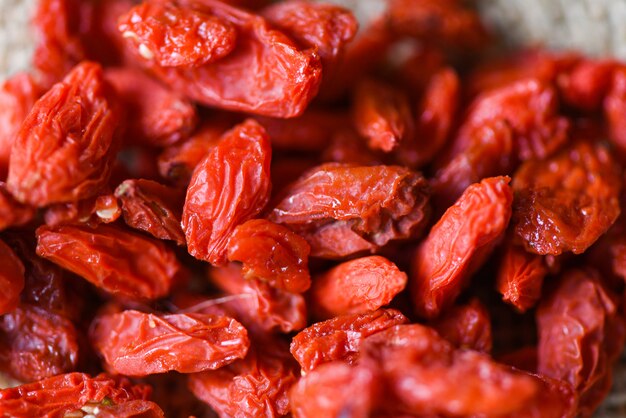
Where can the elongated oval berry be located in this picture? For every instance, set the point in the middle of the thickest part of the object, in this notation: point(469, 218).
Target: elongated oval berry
point(187, 343)
point(458, 244)
point(176, 36)
point(230, 186)
point(116, 260)
point(356, 286)
point(66, 146)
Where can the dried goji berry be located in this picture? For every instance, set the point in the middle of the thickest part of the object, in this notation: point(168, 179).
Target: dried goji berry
point(187, 343)
point(325, 27)
point(59, 47)
point(466, 326)
point(116, 260)
point(555, 398)
point(259, 305)
point(65, 148)
point(36, 344)
point(435, 119)
point(524, 64)
point(258, 385)
point(356, 286)
point(381, 115)
point(174, 36)
point(47, 285)
point(230, 186)
point(343, 209)
point(17, 96)
point(336, 389)
point(64, 393)
point(586, 84)
point(564, 203)
point(152, 207)
point(11, 279)
point(154, 115)
point(339, 338)
point(272, 253)
point(266, 73)
point(580, 336)
point(515, 122)
point(422, 370)
point(458, 244)
point(520, 277)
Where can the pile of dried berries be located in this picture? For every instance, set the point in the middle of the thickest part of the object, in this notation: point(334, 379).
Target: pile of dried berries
point(247, 208)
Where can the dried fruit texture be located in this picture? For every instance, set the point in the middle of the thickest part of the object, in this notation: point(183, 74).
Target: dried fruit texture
point(580, 336)
point(381, 114)
point(271, 253)
point(17, 96)
point(325, 27)
point(177, 162)
point(46, 285)
point(334, 388)
point(566, 202)
point(490, 155)
point(445, 22)
point(12, 212)
point(187, 343)
point(515, 122)
point(458, 244)
point(58, 395)
point(91, 211)
point(256, 386)
point(259, 305)
point(59, 47)
point(434, 121)
point(11, 278)
point(152, 207)
point(130, 409)
point(312, 131)
point(266, 73)
point(36, 344)
point(66, 146)
point(356, 286)
point(115, 260)
point(422, 370)
point(173, 36)
point(586, 84)
point(343, 209)
point(155, 115)
point(467, 326)
point(529, 107)
point(229, 186)
point(339, 338)
point(528, 63)
point(554, 399)
point(614, 107)
point(520, 277)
